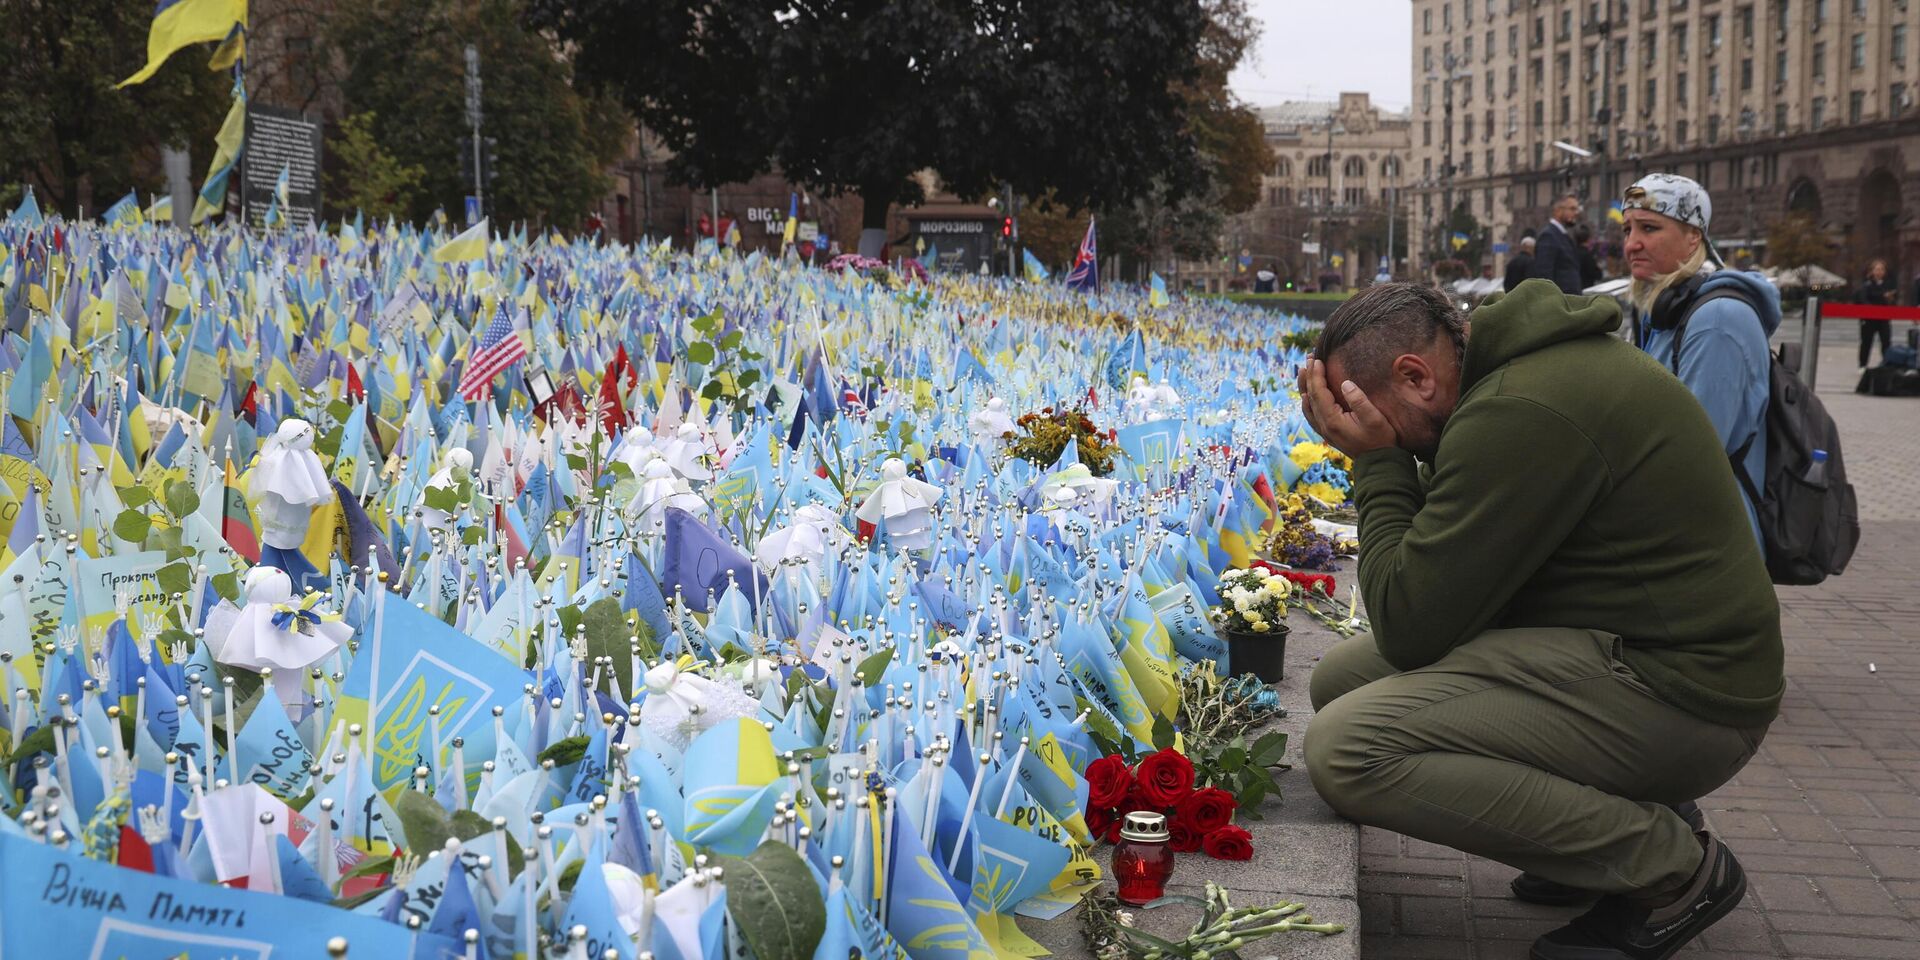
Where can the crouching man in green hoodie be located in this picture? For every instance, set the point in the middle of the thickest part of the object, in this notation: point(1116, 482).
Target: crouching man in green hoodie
point(1573, 628)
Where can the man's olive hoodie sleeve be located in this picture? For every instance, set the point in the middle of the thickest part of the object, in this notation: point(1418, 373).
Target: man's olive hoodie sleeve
point(1512, 480)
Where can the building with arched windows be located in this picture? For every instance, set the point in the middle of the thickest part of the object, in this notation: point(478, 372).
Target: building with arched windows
point(1325, 207)
point(1775, 106)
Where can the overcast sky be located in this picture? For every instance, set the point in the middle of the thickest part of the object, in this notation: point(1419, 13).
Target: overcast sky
point(1313, 49)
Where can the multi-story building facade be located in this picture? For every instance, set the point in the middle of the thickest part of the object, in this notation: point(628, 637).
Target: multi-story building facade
point(1773, 105)
point(1339, 167)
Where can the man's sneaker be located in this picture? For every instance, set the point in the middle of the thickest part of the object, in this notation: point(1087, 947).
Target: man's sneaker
point(1622, 928)
point(1533, 888)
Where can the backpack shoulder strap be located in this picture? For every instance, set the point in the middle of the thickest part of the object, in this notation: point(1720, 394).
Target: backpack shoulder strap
point(1739, 461)
point(1680, 328)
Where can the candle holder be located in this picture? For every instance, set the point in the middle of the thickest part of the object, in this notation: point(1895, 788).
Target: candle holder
point(1142, 861)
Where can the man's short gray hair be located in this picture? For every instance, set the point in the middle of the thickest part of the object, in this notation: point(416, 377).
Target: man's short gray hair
point(1386, 321)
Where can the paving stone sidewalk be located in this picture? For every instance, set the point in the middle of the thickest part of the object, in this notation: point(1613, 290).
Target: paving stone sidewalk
point(1826, 818)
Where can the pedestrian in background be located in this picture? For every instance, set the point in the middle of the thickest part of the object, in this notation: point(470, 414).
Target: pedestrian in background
point(1880, 292)
point(1521, 266)
point(1709, 326)
point(1555, 257)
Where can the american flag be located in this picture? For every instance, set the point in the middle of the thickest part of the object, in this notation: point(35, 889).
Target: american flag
point(1085, 274)
point(499, 348)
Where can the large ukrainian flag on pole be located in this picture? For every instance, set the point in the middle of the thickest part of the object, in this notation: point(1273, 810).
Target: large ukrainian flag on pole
point(228, 144)
point(178, 23)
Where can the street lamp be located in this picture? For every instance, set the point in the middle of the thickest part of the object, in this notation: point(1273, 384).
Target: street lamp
point(1333, 126)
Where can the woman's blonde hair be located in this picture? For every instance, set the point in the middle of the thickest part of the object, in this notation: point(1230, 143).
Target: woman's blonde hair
point(1643, 293)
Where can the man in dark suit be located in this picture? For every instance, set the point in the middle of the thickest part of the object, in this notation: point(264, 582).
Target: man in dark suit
point(1521, 266)
point(1556, 257)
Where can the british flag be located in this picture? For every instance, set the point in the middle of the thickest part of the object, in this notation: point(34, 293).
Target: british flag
point(500, 347)
point(1085, 274)
point(850, 400)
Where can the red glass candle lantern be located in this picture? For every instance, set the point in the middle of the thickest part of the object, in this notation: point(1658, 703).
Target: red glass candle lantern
point(1142, 861)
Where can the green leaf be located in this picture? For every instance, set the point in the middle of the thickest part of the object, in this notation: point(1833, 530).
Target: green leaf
point(700, 352)
point(748, 378)
point(167, 540)
point(1249, 797)
point(175, 577)
point(466, 825)
point(472, 536)
point(713, 390)
point(423, 821)
point(1174, 899)
point(135, 496)
point(704, 324)
point(570, 876)
point(774, 903)
point(371, 866)
point(132, 526)
point(874, 667)
point(1233, 759)
point(1101, 727)
point(227, 585)
point(39, 741)
point(1268, 750)
point(442, 499)
point(565, 753)
point(610, 635)
point(1162, 733)
point(181, 498)
point(731, 341)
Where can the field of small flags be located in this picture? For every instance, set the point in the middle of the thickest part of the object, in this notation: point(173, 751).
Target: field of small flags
point(507, 595)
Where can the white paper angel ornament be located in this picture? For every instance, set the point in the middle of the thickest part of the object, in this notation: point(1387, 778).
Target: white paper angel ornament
point(990, 426)
point(1166, 400)
point(274, 631)
point(1140, 399)
point(660, 489)
point(813, 530)
point(1092, 494)
point(286, 483)
point(681, 704)
point(904, 504)
point(689, 453)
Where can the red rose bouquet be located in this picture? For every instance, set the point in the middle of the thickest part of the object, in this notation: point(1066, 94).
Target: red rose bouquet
point(1163, 782)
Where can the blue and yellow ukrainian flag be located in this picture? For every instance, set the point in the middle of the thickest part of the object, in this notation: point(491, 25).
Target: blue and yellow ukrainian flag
point(125, 211)
point(228, 145)
point(178, 23)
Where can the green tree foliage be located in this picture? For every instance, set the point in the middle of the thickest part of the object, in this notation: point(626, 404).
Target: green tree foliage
point(1185, 218)
point(1230, 135)
point(368, 178)
point(857, 95)
point(1796, 240)
point(404, 64)
point(67, 131)
point(1461, 221)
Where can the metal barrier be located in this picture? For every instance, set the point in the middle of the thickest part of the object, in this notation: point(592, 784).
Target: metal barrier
point(1816, 312)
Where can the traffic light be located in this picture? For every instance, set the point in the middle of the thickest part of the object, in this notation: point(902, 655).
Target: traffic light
point(489, 157)
point(1006, 226)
